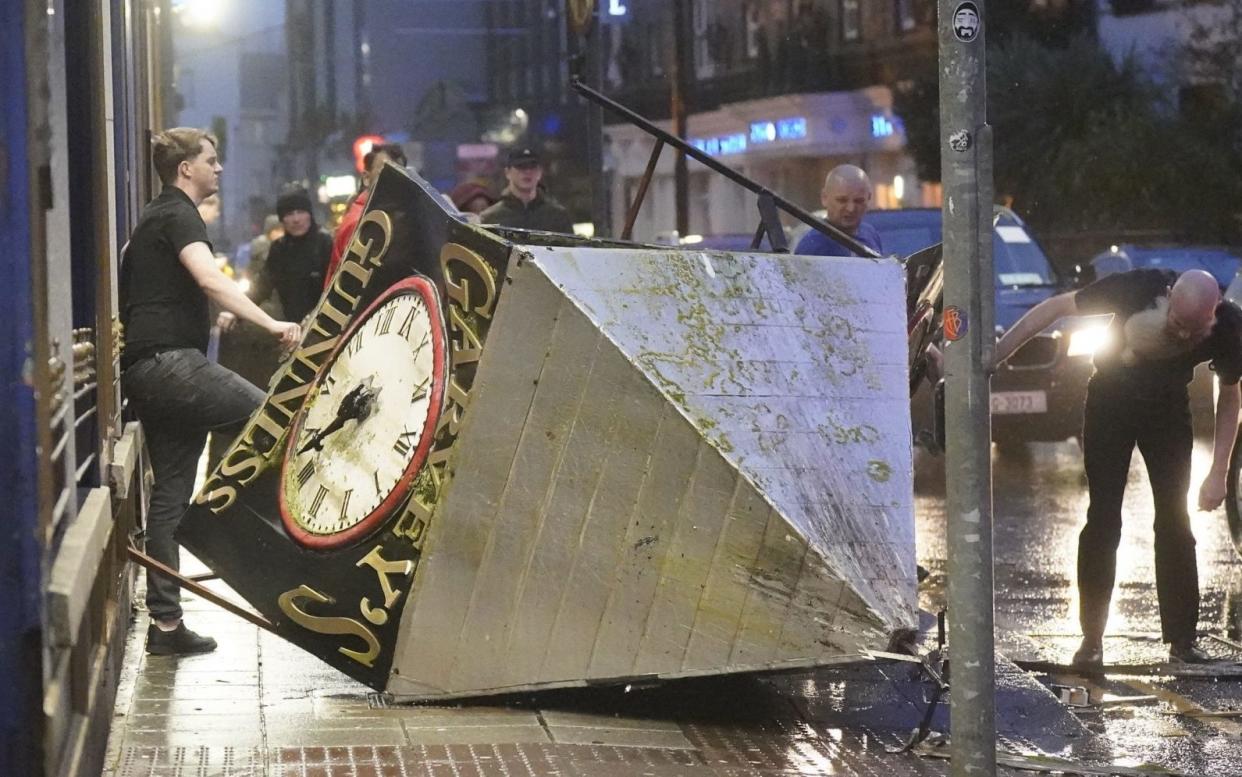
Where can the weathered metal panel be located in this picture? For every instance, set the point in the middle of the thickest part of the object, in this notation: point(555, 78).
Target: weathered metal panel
point(683, 575)
point(525, 519)
point(592, 414)
point(429, 640)
point(715, 625)
point(640, 489)
point(841, 468)
point(657, 504)
point(601, 544)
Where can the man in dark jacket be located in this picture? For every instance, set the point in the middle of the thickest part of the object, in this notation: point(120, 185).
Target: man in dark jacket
point(297, 262)
point(523, 204)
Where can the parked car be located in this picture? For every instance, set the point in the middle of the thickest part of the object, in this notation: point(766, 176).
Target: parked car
point(1221, 263)
point(1038, 394)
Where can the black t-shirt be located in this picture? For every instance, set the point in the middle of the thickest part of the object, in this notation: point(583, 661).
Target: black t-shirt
point(1124, 295)
point(162, 306)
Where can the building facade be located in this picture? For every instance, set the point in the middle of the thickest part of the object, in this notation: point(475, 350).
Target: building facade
point(781, 91)
point(1193, 50)
point(412, 73)
point(529, 98)
point(229, 75)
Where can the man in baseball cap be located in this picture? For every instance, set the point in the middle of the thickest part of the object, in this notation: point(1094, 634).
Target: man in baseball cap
point(523, 203)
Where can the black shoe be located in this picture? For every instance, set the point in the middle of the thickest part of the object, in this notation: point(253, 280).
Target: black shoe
point(1188, 653)
point(178, 642)
point(1090, 655)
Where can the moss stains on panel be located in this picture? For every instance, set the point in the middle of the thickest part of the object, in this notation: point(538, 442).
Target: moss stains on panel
point(879, 471)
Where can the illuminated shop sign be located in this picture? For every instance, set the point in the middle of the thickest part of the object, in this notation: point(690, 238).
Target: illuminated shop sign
point(761, 132)
point(884, 126)
point(793, 128)
point(721, 145)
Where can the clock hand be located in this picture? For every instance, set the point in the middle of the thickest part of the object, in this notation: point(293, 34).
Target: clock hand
point(356, 405)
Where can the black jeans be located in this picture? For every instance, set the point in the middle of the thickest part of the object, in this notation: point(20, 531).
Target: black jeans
point(1112, 426)
point(180, 397)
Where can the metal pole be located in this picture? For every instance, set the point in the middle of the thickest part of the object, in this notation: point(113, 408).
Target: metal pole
point(966, 173)
point(682, 61)
point(594, 51)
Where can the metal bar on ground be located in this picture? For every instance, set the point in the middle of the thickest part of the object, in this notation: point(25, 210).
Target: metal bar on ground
point(819, 225)
point(630, 218)
point(201, 590)
point(966, 175)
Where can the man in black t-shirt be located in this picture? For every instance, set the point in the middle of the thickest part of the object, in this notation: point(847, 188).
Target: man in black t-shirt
point(168, 275)
point(1163, 325)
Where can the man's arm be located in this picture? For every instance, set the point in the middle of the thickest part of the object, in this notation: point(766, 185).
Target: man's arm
point(197, 259)
point(1212, 492)
point(1034, 321)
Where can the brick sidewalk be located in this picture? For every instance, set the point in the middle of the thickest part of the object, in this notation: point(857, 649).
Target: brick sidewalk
point(259, 707)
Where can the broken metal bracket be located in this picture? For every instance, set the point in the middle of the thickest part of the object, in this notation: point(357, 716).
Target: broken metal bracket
point(770, 225)
point(191, 584)
point(819, 225)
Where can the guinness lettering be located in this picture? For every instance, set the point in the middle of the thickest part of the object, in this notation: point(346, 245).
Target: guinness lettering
point(383, 569)
point(253, 452)
point(331, 625)
point(470, 285)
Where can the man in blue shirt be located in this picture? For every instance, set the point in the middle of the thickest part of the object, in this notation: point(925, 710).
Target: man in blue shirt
point(846, 196)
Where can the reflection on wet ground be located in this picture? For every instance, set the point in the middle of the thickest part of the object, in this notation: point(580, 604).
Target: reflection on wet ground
point(259, 706)
point(1040, 505)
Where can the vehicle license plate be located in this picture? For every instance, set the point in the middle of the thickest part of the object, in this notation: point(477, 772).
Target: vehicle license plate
point(1009, 402)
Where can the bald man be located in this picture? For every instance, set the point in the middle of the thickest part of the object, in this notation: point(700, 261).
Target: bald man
point(846, 196)
point(1163, 326)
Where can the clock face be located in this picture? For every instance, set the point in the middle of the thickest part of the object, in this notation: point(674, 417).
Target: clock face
point(367, 424)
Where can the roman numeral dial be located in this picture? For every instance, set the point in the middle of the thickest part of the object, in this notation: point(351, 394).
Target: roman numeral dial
point(367, 426)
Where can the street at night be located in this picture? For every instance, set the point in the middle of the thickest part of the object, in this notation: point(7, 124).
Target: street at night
point(596, 388)
point(270, 709)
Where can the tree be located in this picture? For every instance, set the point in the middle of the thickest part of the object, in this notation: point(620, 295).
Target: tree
point(1083, 143)
point(1212, 51)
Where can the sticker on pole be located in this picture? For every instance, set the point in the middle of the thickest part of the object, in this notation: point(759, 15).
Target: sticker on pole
point(956, 323)
point(966, 22)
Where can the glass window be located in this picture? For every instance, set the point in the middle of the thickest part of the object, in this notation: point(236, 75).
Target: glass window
point(851, 20)
point(704, 27)
point(655, 48)
point(904, 10)
point(753, 24)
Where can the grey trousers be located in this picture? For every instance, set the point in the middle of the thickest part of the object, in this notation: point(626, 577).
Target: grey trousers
point(180, 397)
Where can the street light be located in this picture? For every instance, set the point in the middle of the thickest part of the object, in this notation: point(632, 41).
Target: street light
point(200, 14)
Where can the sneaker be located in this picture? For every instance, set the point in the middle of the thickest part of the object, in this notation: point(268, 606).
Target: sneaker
point(1089, 655)
point(178, 642)
point(1188, 653)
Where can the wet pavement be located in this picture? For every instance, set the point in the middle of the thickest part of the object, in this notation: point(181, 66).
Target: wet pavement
point(1040, 500)
point(259, 706)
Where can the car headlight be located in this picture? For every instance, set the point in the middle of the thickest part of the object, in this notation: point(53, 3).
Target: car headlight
point(1088, 341)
